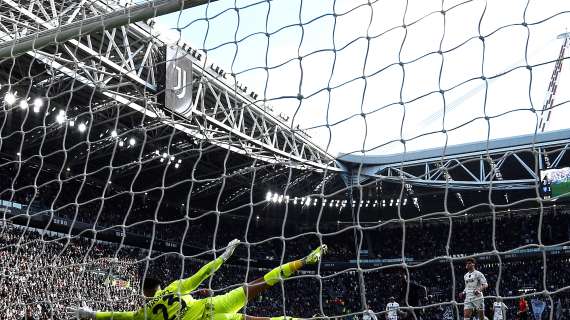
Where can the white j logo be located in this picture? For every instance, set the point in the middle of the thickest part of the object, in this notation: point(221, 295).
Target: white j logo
point(180, 82)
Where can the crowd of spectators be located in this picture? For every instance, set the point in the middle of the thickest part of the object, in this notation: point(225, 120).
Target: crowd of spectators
point(142, 214)
point(421, 240)
point(468, 235)
point(41, 274)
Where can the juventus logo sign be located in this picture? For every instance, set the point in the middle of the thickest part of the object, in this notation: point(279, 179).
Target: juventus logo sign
point(178, 80)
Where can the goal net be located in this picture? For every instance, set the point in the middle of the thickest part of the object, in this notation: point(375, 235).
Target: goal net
point(138, 138)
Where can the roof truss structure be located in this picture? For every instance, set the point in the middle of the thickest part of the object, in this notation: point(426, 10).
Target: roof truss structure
point(121, 64)
point(509, 163)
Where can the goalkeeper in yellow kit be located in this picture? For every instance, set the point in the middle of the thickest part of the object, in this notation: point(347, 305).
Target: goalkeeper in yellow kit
point(175, 302)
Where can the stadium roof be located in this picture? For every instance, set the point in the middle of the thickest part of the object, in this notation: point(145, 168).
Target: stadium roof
point(465, 150)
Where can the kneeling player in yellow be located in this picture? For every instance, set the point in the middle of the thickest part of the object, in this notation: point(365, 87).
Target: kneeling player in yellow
point(176, 303)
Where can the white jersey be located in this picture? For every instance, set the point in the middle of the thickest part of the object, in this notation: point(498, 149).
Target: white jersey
point(392, 309)
point(473, 281)
point(499, 311)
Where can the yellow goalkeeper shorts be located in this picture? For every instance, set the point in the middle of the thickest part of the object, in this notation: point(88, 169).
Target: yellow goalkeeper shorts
point(226, 306)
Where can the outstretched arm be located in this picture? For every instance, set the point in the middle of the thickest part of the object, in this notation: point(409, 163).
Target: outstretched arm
point(191, 283)
point(126, 315)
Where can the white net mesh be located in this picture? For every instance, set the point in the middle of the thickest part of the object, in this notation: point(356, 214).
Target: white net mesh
point(137, 138)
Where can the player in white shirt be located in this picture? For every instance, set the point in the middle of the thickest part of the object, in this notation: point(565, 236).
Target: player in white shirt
point(475, 283)
point(499, 310)
point(392, 309)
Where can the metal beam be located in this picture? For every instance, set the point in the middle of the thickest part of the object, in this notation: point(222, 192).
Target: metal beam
point(128, 15)
point(225, 113)
point(525, 179)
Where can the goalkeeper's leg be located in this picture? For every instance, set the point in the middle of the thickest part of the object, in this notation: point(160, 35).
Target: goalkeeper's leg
point(226, 306)
point(254, 288)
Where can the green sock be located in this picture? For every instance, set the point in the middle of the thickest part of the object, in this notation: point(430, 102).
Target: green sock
point(286, 270)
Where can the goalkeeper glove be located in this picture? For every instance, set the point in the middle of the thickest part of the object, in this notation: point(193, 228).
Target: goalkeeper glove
point(81, 313)
point(230, 249)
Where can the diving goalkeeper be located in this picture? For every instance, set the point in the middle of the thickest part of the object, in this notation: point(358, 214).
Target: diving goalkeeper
point(175, 302)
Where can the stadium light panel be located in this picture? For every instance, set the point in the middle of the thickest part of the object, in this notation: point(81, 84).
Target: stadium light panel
point(60, 118)
point(23, 105)
point(268, 196)
point(121, 143)
point(38, 103)
point(36, 109)
point(176, 166)
point(10, 98)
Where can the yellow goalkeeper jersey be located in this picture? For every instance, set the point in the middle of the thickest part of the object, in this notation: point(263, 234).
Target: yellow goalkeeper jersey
point(168, 305)
point(172, 303)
